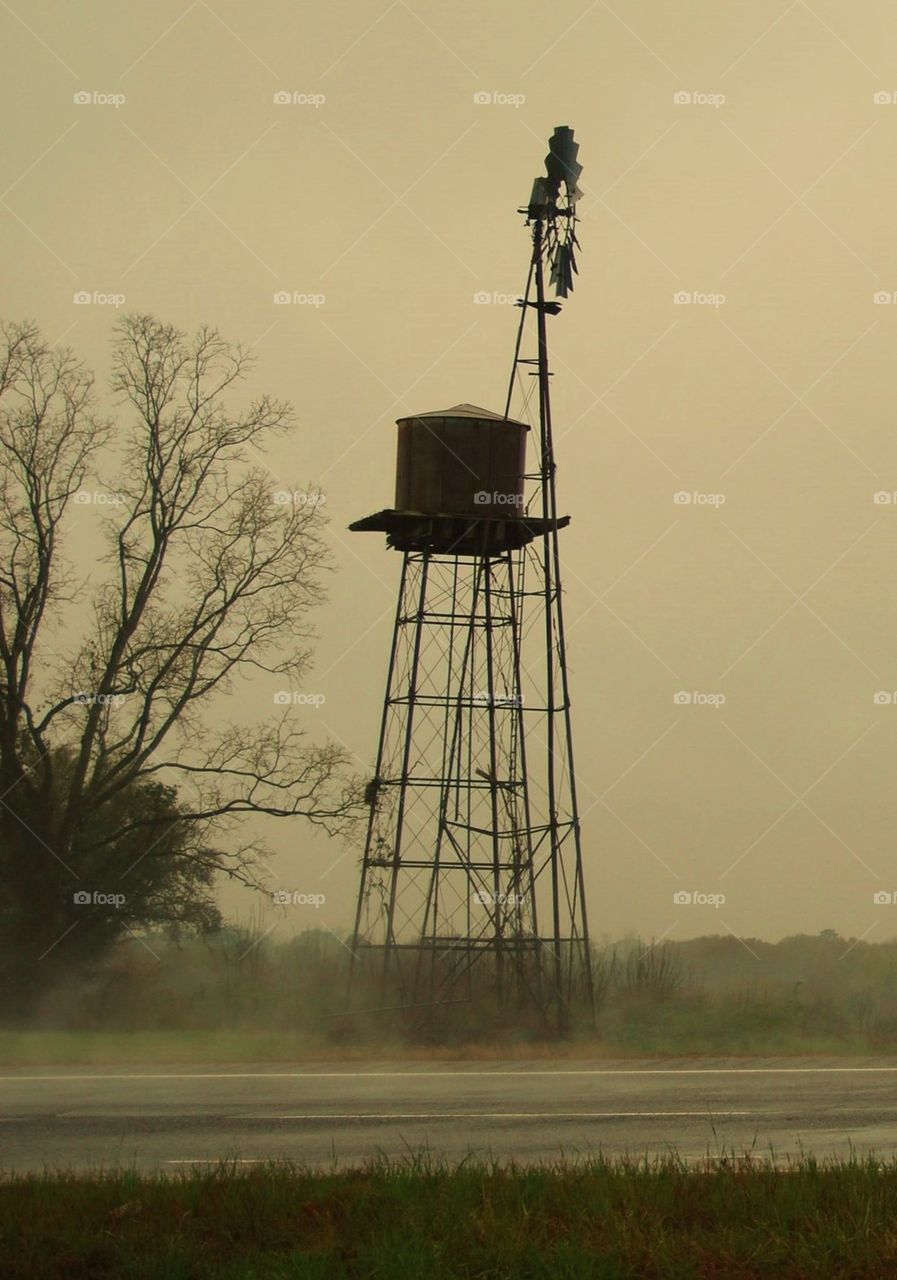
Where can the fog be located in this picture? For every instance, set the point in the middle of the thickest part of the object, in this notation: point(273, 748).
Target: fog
point(245, 996)
point(382, 198)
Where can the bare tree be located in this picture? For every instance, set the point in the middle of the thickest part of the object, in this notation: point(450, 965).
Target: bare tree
point(205, 580)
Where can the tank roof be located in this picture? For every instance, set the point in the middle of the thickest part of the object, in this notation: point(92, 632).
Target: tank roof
point(464, 411)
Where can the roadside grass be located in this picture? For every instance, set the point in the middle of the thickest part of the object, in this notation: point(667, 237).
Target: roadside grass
point(21, 1049)
point(128, 1048)
point(106, 1049)
point(243, 997)
point(655, 1033)
point(725, 1218)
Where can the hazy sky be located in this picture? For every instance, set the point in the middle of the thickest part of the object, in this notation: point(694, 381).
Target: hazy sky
point(389, 190)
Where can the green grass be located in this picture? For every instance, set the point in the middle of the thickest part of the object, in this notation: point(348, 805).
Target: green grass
point(685, 1024)
point(128, 1048)
point(728, 1219)
point(670, 1036)
point(195, 1048)
point(242, 996)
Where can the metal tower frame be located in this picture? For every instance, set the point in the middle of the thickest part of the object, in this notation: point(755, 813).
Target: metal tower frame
point(472, 884)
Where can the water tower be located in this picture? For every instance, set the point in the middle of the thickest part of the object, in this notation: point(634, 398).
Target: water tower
point(472, 872)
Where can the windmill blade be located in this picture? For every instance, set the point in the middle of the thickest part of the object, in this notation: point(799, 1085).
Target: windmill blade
point(563, 269)
point(557, 219)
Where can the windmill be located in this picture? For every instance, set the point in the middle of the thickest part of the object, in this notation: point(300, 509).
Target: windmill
point(558, 222)
point(472, 886)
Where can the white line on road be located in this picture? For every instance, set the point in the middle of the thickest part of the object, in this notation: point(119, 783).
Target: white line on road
point(220, 1160)
point(494, 1115)
point(427, 1075)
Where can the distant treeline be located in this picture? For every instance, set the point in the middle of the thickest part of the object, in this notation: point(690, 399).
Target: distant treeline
point(819, 993)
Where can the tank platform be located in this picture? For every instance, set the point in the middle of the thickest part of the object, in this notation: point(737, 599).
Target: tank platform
point(456, 535)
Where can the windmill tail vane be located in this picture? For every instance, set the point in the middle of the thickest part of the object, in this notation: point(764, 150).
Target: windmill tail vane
point(561, 163)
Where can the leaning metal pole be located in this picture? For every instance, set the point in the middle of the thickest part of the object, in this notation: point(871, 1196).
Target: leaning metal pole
point(556, 664)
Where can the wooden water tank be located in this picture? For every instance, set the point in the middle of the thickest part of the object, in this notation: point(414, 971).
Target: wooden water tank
point(461, 461)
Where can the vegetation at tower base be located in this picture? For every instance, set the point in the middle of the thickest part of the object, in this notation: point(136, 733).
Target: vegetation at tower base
point(121, 796)
point(237, 995)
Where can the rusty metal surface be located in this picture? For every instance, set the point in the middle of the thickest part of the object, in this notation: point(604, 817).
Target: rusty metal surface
point(461, 461)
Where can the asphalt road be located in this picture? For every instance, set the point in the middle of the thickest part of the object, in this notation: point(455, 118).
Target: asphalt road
point(169, 1118)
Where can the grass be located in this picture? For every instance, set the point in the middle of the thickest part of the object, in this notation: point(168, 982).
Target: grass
point(724, 1219)
point(197, 1048)
point(130, 1048)
point(243, 997)
point(23, 1049)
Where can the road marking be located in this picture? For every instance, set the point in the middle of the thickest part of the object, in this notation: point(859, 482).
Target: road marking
point(428, 1075)
point(228, 1117)
point(218, 1160)
point(495, 1115)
